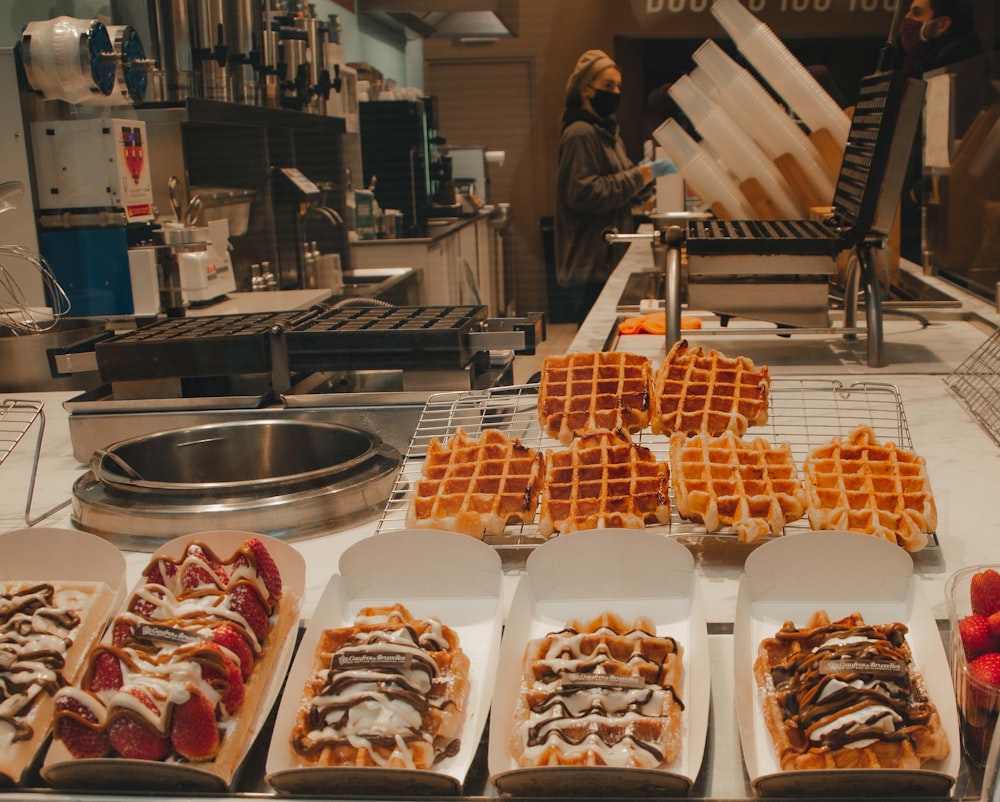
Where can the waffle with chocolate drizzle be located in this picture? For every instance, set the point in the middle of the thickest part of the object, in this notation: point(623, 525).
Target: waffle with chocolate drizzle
point(600, 693)
point(845, 694)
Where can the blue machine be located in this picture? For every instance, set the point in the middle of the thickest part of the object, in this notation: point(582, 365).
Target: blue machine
point(92, 266)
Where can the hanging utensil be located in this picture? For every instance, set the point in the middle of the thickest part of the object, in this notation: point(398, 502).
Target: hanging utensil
point(174, 191)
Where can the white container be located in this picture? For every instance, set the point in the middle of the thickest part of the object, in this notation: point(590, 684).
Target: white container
point(742, 156)
point(782, 70)
point(712, 184)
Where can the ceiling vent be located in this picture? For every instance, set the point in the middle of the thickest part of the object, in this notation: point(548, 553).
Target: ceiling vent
point(450, 19)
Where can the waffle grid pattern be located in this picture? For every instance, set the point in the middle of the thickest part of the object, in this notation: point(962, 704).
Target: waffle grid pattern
point(805, 413)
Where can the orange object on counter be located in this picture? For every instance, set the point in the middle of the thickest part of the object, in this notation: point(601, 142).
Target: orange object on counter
point(654, 323)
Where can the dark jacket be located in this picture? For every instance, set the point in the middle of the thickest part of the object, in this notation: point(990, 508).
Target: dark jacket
point(596, 185)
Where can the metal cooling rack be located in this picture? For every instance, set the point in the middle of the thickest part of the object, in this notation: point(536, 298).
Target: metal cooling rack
point(976, 383)
point(803, 413)
point(16, 419)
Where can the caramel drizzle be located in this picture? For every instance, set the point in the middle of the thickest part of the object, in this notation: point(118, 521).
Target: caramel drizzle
point(835, 709)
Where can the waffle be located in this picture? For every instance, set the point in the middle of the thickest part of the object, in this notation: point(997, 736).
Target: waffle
point(188, 663)
point(695, 392)
point(873, 714)
point(601, 481)
point(387, 692)
point(862, 485)
point(602, 693)
point(725, 481)
point(476, 486)
point(581, 392)
point(46, 630)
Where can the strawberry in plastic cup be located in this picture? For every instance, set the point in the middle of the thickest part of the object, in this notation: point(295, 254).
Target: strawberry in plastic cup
point(973, 594)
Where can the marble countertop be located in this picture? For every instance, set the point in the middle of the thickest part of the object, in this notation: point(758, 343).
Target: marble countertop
point(962, 461)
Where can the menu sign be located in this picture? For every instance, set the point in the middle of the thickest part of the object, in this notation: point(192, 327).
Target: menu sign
point(824, 18)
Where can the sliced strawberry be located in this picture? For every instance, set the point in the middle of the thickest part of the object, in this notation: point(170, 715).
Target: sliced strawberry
point(131, 738)
point(154, 576)
point(193, 730)
point(196, 576)
point(213, 565)
point(229, 637)
point(122, 632)
point(145, 607)
point(244, 600)
point(106, 673)
point(222, 674)
point(77, 727)
point(267, 569)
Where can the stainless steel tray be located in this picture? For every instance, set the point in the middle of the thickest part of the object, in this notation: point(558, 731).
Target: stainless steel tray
point(805, 413)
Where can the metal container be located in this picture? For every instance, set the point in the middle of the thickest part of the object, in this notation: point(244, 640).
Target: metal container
point(25, 357)
point(286, 478)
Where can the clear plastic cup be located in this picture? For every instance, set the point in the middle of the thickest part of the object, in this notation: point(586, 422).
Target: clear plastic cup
point(782, 70)
point(759, 114)
point(742, 156)
point(712, 184)
point(978, 701)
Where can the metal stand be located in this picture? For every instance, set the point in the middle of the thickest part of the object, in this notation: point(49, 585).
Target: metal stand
point(16, 419)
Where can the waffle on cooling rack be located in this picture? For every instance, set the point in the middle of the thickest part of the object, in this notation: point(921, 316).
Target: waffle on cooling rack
point(603, 480)
point(846, 695)
point(601, 693)
point(601, 390)
point(725, 481)
point(476, 486)
point(862, 485)
point(388, 691)
point(695, 392)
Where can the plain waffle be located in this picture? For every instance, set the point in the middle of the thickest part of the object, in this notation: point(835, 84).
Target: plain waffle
point(603, 480)
point(695, 392)
point(604, 693)
point(602, 390)
point(862, 485)
point(476, 486)
point(873, 712)
point(725, 481)
point(388, 691)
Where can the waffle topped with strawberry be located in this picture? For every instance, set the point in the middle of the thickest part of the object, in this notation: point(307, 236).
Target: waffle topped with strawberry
point(187, 659)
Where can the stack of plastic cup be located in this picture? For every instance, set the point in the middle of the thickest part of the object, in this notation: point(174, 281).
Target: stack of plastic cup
point(712, 184)
point(782, 70)
point(742, 156)
point(758, 113)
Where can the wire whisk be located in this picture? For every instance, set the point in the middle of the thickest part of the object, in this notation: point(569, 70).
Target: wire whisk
point(15, 311)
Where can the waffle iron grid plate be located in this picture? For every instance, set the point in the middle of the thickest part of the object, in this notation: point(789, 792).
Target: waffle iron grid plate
point(805, 413)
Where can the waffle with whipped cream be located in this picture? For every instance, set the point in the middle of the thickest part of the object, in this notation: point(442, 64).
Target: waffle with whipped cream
point(861, 485)
point(387, 692)
point(600, 693)
point(695, 391)
point(845, 694)
point(593, 390)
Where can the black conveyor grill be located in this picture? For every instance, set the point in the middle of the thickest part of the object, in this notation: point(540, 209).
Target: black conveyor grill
point(864, 205)
point(208, 356)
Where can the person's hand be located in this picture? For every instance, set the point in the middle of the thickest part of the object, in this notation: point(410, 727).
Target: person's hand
point(663, 167)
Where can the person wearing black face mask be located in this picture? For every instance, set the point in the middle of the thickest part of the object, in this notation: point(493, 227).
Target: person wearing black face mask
point(596, 183)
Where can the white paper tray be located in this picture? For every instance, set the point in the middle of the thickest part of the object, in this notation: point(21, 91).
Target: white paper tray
point(805, 413)
point(451, 577)
point(61, 770)
point(630, 573)
point(841, 572)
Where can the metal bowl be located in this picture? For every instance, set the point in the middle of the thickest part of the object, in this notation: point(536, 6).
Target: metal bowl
point(285, 478)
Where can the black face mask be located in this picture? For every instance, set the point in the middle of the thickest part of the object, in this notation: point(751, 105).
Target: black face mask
point(605, 103)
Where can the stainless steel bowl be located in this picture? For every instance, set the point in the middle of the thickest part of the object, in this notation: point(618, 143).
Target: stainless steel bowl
point(285, 478)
